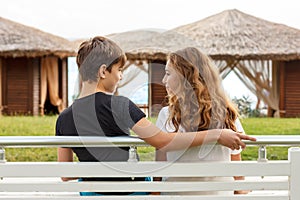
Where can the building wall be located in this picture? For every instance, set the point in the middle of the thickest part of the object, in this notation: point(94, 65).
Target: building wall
point(290, 89)
point(17, 86)
point(157, 89)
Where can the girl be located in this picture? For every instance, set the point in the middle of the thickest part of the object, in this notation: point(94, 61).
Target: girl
point(196, 102)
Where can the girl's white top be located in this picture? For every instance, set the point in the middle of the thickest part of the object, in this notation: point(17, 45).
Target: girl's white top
point(203, 153)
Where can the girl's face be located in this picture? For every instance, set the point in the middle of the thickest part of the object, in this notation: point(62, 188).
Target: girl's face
point(171, 79)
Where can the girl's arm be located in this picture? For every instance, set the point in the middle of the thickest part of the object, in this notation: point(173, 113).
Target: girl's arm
point(237, 157)
point(159, 156)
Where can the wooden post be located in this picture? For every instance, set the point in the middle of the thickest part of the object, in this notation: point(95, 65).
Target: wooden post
point(282, 88)
point(63, 88)
point(294, 158)
point(149, 88)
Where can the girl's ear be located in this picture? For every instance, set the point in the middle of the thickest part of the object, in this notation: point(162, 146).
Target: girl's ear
point(101, 71)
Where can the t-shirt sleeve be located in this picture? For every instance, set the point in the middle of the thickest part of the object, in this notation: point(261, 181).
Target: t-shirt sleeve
point(130, 113)
point(162, 119)
point(57, 127)
point(239, 128)
point(136, 113)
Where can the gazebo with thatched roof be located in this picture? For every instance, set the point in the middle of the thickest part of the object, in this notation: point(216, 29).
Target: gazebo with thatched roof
point(33, 67)
point(264, 55)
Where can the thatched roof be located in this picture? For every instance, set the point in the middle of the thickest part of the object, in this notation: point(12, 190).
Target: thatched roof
point(137, 44)
point(230, 34)
point(235, 34)
point(132, 40)
point(18, 40)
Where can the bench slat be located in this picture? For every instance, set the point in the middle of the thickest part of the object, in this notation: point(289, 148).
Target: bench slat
point(152, 197)
point(143, 186)
point(141, 169)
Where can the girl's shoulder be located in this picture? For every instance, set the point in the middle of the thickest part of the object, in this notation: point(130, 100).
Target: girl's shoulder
point(164, 112)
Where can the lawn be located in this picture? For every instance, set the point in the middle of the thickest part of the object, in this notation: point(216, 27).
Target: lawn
point(45, 126)
point(270, 126)
point(28, 126)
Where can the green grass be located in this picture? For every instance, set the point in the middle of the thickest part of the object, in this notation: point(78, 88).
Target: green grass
point(45, 126)
point(24, 125)
point(28, 126)
point(269, 126)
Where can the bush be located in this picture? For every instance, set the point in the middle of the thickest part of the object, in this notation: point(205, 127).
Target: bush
point(244, 107)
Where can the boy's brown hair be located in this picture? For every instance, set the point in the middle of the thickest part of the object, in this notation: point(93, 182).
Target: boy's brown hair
point(96, 52)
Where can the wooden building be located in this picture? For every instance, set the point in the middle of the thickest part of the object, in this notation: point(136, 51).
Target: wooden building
point(290, 88)
point(33, 68)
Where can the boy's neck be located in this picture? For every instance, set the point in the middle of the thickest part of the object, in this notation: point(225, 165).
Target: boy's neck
point(89, 88)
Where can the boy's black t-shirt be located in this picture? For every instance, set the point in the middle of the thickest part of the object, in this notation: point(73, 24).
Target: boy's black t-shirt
point(99, 114)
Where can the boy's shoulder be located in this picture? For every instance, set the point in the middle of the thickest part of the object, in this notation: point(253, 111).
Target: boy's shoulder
point(65, 113)
point(120, 98)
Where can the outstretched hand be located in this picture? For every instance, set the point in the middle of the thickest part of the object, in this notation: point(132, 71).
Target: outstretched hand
point(233, 140)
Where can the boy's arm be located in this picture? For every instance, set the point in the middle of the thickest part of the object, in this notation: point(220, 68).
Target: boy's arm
point(65, 155)
point(175, 141)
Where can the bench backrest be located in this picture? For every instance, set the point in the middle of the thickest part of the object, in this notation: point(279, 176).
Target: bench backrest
point(277, 176)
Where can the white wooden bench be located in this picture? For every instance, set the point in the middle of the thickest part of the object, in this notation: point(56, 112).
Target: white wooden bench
point(41, 180)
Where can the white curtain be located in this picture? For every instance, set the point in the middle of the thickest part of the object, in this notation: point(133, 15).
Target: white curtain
point(261, 78)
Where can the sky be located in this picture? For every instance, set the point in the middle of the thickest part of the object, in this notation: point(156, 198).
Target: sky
point(80, 19)
point(73, 19)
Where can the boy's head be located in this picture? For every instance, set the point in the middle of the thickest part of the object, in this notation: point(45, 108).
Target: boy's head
point(96, 52)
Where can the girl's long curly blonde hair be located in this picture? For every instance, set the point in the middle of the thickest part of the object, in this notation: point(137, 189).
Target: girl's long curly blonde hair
point(201, 102)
